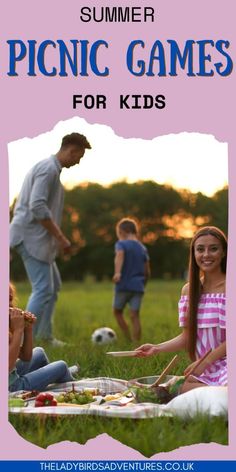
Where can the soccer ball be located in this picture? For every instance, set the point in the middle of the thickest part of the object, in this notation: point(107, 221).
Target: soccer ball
point(104, 336)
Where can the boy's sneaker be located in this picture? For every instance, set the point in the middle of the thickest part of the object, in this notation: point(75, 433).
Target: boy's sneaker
point(74, 369)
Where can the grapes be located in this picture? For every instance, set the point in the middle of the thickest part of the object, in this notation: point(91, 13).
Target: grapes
point(60, 399)
point(77, 398)
point(83, 398)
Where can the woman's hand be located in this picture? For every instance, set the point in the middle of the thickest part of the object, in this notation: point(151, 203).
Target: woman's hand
point(30, 320)
point(199, 370)
point(16, 325)
point(17, 320)
point(146, 350)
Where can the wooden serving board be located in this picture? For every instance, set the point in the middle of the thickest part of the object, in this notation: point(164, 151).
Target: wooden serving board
point(85, 405)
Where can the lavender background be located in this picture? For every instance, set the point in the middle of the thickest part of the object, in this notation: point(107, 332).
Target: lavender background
point(31, 106)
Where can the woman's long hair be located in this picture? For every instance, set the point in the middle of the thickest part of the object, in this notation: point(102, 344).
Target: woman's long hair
point(195, 286)
point(12, 295)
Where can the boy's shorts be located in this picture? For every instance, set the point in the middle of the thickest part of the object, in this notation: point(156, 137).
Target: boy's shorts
point(134, 299)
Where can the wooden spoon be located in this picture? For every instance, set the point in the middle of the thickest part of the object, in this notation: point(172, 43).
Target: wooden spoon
point(165, 372)
point(198, 363)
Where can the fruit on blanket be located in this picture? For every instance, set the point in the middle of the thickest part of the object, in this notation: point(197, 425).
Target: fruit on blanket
point(15, 402)
point(79, 398)
point(45, 399)
point(61, 399)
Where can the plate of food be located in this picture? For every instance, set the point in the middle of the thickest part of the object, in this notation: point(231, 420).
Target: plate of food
point(122, 353)
point(118, 399)
point(82, 397)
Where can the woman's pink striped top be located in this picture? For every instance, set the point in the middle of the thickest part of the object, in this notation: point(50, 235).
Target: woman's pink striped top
point(211, 319)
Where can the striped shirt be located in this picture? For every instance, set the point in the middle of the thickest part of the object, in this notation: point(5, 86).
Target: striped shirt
point(211, 332)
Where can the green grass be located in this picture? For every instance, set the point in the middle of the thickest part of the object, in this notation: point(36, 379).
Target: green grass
point(83, 307)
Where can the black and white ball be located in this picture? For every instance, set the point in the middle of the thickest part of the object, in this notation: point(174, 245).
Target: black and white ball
point(104, 335)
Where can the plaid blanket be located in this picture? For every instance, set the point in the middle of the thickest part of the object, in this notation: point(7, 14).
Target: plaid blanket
point(106, 386)
point(205, 400)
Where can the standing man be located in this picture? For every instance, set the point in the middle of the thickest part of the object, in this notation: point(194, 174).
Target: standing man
point(35, 230)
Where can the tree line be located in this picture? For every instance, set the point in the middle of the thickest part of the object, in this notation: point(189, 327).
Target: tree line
point(168, 217)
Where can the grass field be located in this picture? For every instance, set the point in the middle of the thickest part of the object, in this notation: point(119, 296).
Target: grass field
point(83, 307)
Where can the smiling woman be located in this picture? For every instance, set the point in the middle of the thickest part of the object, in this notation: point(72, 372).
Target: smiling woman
point(209, 253)
point(202, 314)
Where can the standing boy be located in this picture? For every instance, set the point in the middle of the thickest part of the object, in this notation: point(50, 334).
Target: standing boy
point(131, 271)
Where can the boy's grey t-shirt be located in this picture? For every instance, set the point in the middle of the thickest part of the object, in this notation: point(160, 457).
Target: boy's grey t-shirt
point(133, 270)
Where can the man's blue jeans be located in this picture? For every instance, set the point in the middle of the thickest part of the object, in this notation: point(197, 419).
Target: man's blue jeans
point(45, 282)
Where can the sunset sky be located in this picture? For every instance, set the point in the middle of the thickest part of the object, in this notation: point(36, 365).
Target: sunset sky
point(193, 161)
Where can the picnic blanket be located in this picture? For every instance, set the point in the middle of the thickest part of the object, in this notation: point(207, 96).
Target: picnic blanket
point(208, 400)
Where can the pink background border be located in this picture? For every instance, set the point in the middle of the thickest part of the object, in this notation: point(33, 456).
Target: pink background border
point(31, 106)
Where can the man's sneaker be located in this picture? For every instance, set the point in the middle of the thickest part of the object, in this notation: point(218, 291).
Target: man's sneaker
point(74, 369)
